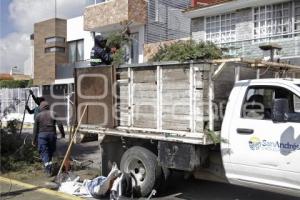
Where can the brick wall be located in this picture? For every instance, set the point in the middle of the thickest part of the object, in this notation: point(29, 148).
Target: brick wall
point(45, 63)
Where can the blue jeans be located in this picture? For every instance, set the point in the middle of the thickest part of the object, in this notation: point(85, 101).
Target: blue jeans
point(47, 147)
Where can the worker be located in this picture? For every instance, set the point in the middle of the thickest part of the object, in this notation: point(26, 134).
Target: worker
point(44, 134)
point(100, 53)
point(38, 101)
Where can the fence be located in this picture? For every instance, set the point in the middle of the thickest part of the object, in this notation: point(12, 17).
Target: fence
point(12, 102)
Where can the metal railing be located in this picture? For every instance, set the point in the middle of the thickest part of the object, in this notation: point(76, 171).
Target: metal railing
point(12, 100)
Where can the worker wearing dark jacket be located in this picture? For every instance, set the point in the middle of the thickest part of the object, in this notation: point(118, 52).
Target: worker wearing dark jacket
point(44, 134)
point(38, 101)
point(100, 54)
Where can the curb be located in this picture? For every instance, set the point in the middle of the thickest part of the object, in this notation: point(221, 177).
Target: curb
point(42, 190)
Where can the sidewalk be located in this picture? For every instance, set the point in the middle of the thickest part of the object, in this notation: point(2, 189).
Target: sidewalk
point(22, 191)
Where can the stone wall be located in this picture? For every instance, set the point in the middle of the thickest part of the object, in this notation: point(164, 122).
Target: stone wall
point(114, 12)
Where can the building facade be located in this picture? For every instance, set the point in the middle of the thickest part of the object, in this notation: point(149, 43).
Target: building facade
point(240, 27)
point(79, 44)
point(151, 23)
point(49, 49)
point(60, 45)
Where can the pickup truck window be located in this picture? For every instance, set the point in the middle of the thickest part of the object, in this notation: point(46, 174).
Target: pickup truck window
point(258, 101)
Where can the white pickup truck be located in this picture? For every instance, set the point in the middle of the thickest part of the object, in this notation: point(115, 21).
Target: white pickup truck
point(154, 118)
point(263, 148)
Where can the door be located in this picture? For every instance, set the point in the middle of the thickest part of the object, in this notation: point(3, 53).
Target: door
point(263, 151)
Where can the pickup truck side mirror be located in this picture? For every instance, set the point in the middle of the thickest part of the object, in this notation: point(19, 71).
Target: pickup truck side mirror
point(280, 109)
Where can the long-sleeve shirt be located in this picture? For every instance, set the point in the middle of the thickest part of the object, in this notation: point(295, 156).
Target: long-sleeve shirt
point(46, 121)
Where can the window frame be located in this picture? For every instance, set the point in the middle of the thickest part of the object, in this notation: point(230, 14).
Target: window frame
point(220, 21)
point(264, 87)
point(76, 46)
point(55, 41)
point(290, 33)
point(47, 50)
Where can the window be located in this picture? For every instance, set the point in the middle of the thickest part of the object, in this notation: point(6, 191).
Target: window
point(76, 51)
point(221, 28)
point(134, 54)
point(54, 49)
point(100, 1)
point(52, 40)
point(276, 20)
point(297, 18)
point(258, 101)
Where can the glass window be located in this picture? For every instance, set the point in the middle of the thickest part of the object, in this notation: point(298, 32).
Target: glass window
point(76, 51)
point(297, 17)
point(54, 49)
point(100, 1)
point(221, 28)
point(258, 101)
point(273, 20)
point(52, 40)
point(134, 55)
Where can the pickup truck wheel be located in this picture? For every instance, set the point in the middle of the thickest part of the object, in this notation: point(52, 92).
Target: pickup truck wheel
point(143, 165)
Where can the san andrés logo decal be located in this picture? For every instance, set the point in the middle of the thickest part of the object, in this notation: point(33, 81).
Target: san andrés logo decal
point(255, 143)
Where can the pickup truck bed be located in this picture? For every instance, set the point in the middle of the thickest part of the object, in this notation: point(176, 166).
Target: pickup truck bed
point(168, 101)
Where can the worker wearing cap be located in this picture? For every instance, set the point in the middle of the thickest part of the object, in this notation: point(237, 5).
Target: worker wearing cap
point(44, 134)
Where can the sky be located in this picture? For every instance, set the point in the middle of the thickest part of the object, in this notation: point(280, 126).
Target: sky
point(17, 20)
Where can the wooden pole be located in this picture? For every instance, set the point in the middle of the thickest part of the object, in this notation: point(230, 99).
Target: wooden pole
point(71, 142)
point(24, 113)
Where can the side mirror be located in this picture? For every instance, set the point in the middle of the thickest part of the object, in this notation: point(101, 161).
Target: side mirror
point(280, 108)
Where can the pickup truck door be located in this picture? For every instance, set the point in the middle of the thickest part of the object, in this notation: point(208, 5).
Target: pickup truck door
point(263, 151)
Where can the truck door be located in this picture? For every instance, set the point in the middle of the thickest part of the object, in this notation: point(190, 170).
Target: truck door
point(263, 151)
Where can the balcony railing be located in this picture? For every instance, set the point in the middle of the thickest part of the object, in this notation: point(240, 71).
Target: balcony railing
point(111, 15)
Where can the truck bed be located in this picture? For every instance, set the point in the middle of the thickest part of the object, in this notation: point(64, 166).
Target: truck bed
point(168, 101)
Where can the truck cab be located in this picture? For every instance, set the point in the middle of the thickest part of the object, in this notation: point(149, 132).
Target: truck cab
point(261, 135)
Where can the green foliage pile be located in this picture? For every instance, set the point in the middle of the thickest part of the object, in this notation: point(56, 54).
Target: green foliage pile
point(15, 154)
point(119, 57)
point(15, 83)
point(187, 50)
point(117, 39)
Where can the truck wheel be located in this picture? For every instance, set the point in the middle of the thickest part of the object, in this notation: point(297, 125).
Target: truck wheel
point(143, 165)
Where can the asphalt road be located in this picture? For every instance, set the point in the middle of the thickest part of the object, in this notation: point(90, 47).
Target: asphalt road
point(187, 189)
point(191, 189)
point(206, 190)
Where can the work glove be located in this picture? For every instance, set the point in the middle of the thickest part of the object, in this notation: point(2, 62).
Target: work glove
point(27, 107)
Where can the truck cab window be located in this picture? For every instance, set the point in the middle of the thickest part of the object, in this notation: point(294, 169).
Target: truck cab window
point(297, 103)
point(258, 102)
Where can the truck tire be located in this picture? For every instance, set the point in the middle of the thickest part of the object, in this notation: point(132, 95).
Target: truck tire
point(143, 165)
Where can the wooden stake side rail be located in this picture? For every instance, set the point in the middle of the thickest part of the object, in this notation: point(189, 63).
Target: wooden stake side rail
point(173, 101)
point(151, 134)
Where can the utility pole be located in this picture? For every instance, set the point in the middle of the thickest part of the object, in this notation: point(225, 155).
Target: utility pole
point(55, 9)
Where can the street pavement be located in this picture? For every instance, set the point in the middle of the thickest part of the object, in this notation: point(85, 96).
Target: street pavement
point(186, 189)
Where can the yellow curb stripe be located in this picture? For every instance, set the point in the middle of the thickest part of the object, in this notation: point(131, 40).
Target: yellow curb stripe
point(42, 190)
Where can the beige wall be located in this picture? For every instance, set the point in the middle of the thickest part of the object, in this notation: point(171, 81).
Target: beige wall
point(45, 63)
